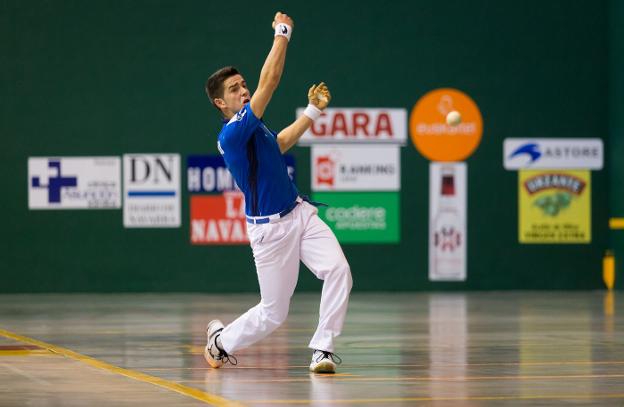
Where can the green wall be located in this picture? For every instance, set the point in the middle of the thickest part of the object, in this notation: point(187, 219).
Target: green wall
point(616, 130)
point(114, 77)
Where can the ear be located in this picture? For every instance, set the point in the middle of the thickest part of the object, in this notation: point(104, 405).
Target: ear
point(220, 103)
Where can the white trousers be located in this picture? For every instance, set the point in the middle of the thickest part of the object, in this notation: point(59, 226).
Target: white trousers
point(277, 248)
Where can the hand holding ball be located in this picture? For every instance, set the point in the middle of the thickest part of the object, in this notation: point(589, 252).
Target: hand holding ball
point(453, 118)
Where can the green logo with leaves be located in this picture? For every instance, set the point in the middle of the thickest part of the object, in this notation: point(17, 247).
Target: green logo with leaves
point(554, 203)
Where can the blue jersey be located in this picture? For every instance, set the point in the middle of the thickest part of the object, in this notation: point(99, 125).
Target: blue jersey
point(252, 155)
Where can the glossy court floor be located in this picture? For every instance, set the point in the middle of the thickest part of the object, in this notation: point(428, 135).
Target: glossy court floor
point(475, 349)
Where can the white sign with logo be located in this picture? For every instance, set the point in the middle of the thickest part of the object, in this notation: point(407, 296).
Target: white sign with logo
point(447, 221)
point(553, 153)
point(356, 168)
point(74, 182)
point(353, 125)
point(151, 190)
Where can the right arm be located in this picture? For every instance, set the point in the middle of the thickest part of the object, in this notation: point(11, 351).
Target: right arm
point(271, 70)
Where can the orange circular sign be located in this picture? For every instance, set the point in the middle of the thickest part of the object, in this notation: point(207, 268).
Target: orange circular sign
point(437, 140)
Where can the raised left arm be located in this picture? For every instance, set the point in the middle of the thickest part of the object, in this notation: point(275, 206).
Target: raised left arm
point(318, 97)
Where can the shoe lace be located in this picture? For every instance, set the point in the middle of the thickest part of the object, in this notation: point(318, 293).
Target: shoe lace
point(328, 355)
point(224, 356)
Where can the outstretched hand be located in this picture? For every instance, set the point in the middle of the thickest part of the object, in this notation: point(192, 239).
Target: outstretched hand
point(319, 95)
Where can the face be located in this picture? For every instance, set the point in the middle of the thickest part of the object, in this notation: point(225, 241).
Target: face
point(235, 95)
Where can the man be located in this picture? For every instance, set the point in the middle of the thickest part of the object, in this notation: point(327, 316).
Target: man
point(283, 228)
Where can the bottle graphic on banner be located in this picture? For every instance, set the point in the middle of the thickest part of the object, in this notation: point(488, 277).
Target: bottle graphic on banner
point(447, 229)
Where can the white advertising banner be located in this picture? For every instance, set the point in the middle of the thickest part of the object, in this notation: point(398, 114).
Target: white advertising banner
point(151, 190)
point(356, 168)
point(357, 125)
point(447, 221)
point(553, 153)
point(74, 182)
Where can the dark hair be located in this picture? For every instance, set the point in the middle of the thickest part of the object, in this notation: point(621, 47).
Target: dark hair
point(214, 84)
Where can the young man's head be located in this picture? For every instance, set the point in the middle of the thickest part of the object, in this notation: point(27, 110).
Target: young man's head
point(227, 91)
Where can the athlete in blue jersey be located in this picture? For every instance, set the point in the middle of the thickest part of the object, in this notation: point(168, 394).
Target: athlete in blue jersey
point(283, 228)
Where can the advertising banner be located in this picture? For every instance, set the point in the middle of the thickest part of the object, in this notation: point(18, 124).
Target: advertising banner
point(208, 173)
point(438, 140)
point(151, 190)
point(218, 219)
point(356, 168)
point(357, 125)
point(553, 153)
point(74, 182)
point(555, 206)
point(361, 217)
point(447, 221)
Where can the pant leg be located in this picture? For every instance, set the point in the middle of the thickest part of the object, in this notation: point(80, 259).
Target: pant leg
point(321, 253)
point(276, 253)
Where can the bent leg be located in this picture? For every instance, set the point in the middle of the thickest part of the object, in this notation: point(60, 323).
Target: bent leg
point(276, 253)
point(321, 253)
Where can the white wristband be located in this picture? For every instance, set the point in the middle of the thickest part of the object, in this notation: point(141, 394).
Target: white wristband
point(312, 112)
point(284, 30)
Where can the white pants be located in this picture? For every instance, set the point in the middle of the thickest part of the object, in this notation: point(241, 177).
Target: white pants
point(277, 248)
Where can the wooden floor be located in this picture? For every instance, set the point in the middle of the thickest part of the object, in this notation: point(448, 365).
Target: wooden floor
point(460, 349)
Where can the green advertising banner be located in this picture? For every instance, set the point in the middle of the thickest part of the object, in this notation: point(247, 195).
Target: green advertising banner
point(361, 217)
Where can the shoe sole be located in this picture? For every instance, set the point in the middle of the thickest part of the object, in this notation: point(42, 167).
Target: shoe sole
point(214, 364)
point(324, 367)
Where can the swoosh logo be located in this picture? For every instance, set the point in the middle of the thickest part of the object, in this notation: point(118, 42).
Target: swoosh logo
point(284, 30)
point(531, 149)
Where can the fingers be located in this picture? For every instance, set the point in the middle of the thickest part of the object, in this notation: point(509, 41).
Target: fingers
point(323, 92)
point(277, 15)
point(327, 94)
point(282, 18)
point(319, 95)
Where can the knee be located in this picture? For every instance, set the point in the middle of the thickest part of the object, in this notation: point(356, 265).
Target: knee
point(276, 313)
point(344, 270)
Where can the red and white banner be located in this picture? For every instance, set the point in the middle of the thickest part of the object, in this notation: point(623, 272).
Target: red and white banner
point(218, 219)
point(357, 125)
point(447, 221)
point(356, 168)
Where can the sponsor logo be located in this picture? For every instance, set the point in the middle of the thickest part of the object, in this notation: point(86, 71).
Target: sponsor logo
point(218, 219)
point(361, 217)
point(437, 140)
point(152, 190)
point(567, 182)
point(554, 206)
point(350, 125)
point(447, 238)
point(325, 168)
point(355, 168)
point(238, 116)
point(447, 221)
point(531, 149)
point(208, 173)
point(552, 153)
point(56, 182)
point(284, 29)
point(74, 182)
point(357, 217)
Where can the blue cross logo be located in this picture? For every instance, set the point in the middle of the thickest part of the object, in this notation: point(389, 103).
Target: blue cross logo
point(55, 183)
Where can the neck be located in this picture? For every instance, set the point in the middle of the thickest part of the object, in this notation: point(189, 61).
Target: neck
point(227, 114)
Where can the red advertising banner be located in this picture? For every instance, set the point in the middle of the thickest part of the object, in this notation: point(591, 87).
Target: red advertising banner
point(218, 219)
